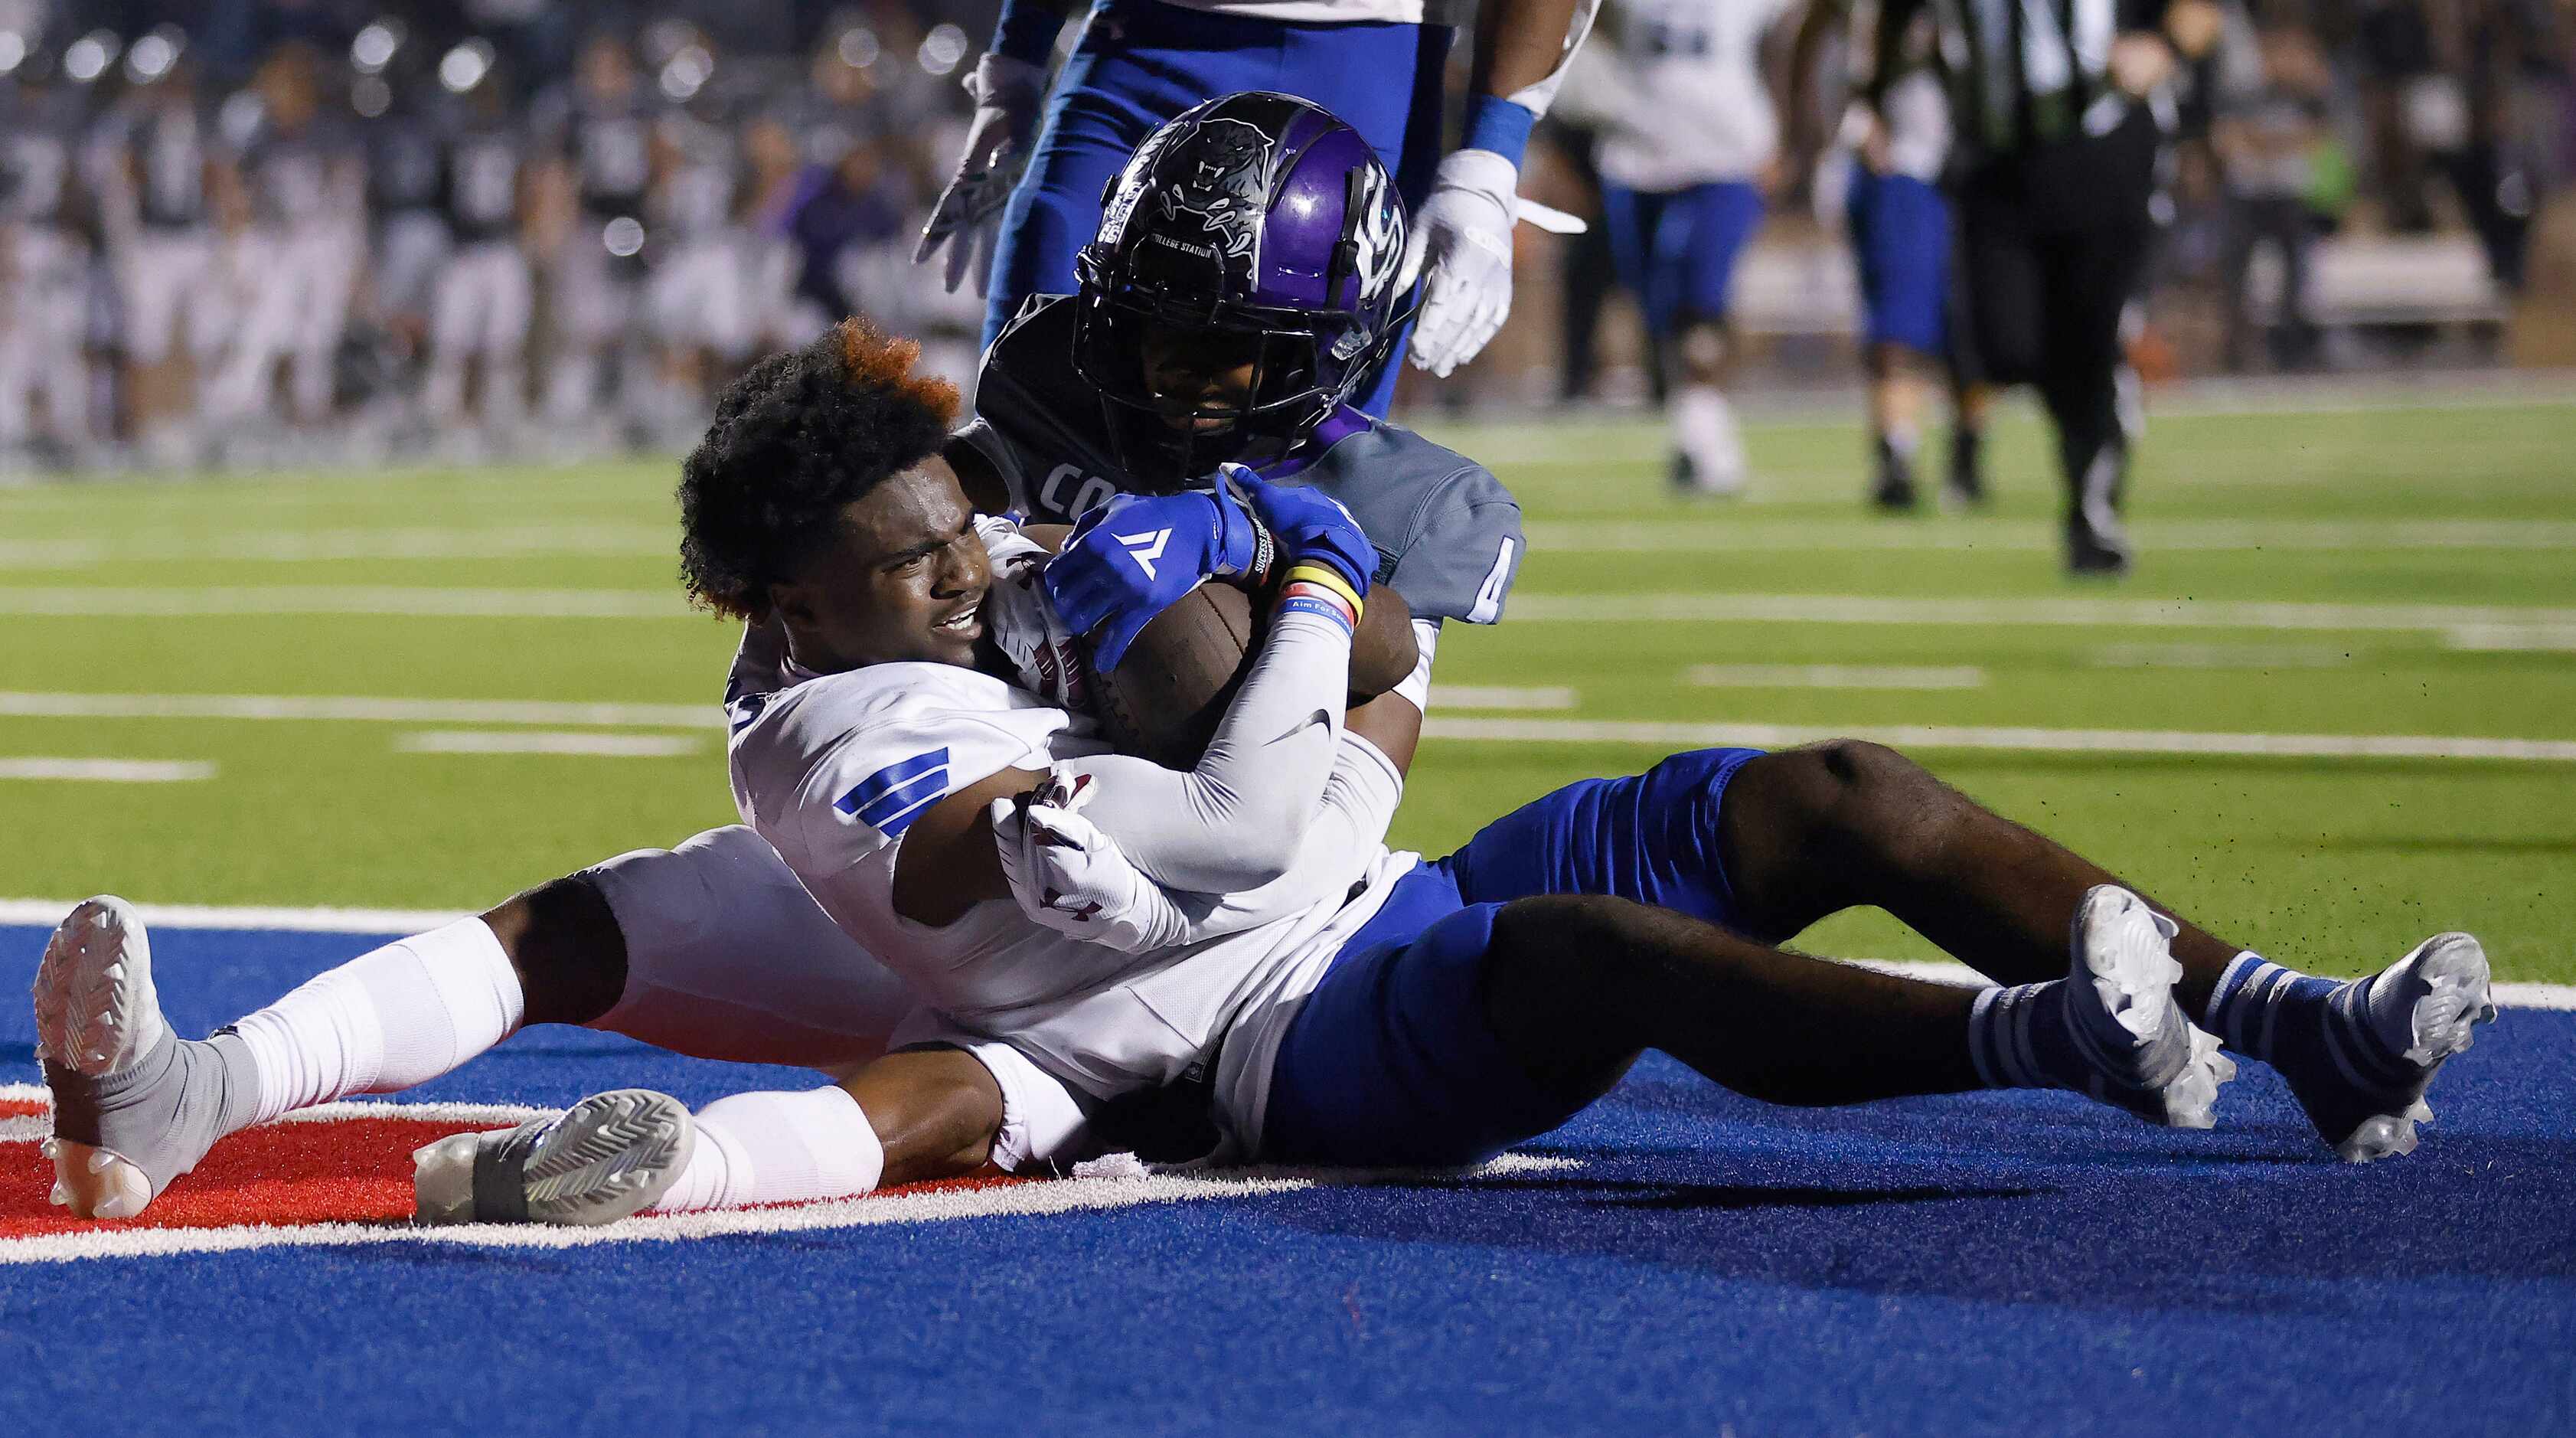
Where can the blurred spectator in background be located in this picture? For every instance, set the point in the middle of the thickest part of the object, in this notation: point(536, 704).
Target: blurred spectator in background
point(2269, 127)
point(602, 140)
point(161, 173)
point(299, 199)
point(480, 309)
point(44, 262)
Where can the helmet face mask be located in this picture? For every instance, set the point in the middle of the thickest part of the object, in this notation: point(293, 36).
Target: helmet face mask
point(1241, 287)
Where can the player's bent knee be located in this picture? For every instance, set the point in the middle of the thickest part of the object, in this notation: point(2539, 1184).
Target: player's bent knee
point(563, 939)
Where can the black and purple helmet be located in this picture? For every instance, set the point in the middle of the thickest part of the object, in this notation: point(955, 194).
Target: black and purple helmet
point(1269, 233)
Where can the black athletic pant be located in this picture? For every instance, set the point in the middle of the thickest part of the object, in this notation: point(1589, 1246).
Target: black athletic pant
point(2052, 244)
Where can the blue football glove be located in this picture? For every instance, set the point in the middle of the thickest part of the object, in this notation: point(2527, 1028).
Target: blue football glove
point(1308, 526)
point(1134, 557)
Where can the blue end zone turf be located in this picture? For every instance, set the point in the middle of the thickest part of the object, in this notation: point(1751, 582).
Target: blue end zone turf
point(2000, 1263)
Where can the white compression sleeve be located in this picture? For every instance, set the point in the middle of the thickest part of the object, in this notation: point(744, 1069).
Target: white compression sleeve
point(778, 1148)
point(1238, 821)
point(386, 1020)
point(1359, 801)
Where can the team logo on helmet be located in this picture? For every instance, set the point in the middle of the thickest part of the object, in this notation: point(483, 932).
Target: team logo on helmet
point(1222, 177)
point(1377, 230)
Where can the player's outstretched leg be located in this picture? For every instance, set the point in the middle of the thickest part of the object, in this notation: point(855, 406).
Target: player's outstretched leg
point(608, 1157)
point(2359, 1055)
point(1578, 984)
point(2118, 1033)
point(1811, 831)
point(135, 1105)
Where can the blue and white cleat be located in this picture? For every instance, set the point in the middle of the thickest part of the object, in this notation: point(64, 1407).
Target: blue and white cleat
point(135, 1106)
point(608, 1157)
point(2364, 1101)
point(2144, 1055)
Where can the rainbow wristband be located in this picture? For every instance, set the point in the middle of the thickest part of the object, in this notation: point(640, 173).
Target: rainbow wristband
point(1317, 590)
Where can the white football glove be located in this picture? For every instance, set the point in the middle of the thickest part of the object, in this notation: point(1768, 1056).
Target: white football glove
point(1461, 246)
point(1069, 876)
point(1009, 95)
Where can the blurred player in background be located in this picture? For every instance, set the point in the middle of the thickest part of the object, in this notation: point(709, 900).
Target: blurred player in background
point(2061, 109)
point(1691, 154)
point(1378, 64)
point(402, 120)
point(302, 189)
point(172, 283)
point(603, 139)
point(44, 267)
point(480, 305)
point(1881, 182)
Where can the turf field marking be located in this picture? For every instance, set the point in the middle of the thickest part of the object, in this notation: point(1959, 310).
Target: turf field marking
point(1502, 696)
point(1835, 676)
point(546, 741)
point(1688, 608)
point(1943, 736)
point(109, 771)
point(405, 602)
point(2220, 535)
point(2513, 638)
point(358, 708)
point(1069, 1195)
point(45, 913)
point(2219, 656)
point(496, 542)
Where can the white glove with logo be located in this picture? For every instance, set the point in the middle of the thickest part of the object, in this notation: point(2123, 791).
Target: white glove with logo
point(1462, 248)
point(1009, 94)
point(1069, 876)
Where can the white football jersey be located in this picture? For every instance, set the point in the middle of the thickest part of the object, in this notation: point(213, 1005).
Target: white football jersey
point(833, 769)
point(1693, 106)
point(1340, 12)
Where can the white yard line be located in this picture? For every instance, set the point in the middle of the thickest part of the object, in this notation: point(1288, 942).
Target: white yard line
point(547, 741)
point(341, 599)
point(512, 542)
point(1502, 696)
point(108, 771)
point(1690, 608)
point(349, 707)
point(1681, 735)
point(45, 913)
point(1834, 676)
point(1630, 537)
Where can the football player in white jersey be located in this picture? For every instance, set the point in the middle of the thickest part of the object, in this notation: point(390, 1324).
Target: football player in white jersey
point(1083, 926)
point(1686, 165)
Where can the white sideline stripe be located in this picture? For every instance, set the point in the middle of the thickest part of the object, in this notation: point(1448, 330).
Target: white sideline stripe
point(2085, 613)
point(1633, 537)
point(2512, 638)
point(518, 541)
point(1835, 676)
point(1065, 1195)
point(1942, 736)
point(109, 771)
point(415, 602)
point(546, 741)
point(46, 913)
point(1502, 696)
point(358, 707)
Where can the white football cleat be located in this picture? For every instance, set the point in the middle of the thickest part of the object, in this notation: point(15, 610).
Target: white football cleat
point(2167, 1071)
point(2364, 1106)
point(97, 1015)
point(608, 1157)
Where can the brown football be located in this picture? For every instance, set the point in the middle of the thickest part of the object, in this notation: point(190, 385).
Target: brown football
point(1165, 697)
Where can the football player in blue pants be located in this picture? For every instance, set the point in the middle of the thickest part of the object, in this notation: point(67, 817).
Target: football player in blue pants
point(1027, 191)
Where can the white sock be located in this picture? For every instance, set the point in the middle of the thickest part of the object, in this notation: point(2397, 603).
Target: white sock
point(1704, 428)
point(778, 1148)
point(386, 1020)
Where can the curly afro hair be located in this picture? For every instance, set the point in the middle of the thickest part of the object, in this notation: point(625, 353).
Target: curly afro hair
point(797, 437)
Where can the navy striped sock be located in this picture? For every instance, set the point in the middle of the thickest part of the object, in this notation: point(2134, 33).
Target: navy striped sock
point(2287, 1018)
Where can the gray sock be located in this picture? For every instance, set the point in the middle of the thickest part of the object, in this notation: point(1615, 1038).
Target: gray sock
point(162, 1112)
